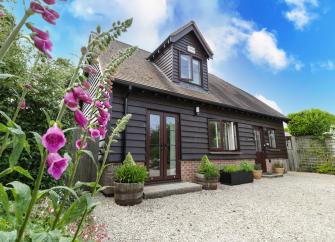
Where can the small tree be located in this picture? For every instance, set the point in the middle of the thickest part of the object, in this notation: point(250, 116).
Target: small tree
point(310, 122)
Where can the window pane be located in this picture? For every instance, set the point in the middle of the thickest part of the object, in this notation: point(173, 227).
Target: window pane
point(185, 66)
point(214, 133)
point(272, 138)
point(171, 145)
point(154, 162)
point(230, 137)
point(258, 141)
point(196, 72)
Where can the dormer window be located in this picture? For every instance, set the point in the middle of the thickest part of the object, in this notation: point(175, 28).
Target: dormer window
point(190, 69)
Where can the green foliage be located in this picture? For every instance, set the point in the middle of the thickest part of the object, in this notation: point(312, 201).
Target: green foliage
point(129, 172)
point(246, 166)
point(326, 168)
point(313, 122)
point(257, 166)
point(208, 168)
point(231, 168)
point(277, 165)
point(49, 83)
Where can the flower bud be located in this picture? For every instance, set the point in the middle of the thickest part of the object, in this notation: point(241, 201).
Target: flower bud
point(83, 50)
point(98, 29)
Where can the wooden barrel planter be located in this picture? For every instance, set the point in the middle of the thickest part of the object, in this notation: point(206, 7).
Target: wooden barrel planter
point(208, 183)
point(128, 194)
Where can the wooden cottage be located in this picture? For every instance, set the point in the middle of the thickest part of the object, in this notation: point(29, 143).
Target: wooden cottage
point(181, 112)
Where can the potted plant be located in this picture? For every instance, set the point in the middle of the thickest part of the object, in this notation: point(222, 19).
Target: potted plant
point(257, 172)
point(129, 182)
point(207, 175)
point(278, 168)
point(235, 175)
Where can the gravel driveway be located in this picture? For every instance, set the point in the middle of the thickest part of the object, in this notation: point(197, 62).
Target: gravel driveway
point(297, 207)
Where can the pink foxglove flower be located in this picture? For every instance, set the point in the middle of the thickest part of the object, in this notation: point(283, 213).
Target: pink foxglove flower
point(101, 86)
point(23, 104)
point(79, 142)
point(86, 85)
point(107, 104)
point(95, 133)
point(106, 94)
point(98, 104)
point(104, 114)
point(57, 165)
point(80, 118)
point(50, 15)
point(2, 13)
point(102, 131)
point(54, 139)
point(70, 101)
point(40, 33)
point(36, 7)
point(82, 95)
point(102, 121)
point(43, 45)
point(50, 2)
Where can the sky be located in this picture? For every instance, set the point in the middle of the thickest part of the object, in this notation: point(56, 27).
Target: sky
point(281, 51)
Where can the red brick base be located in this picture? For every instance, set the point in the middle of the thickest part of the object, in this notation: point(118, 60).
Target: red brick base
point(189, 168)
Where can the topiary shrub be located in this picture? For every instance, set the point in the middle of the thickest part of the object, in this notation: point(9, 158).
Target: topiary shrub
point(207, 168)
point(130, 172)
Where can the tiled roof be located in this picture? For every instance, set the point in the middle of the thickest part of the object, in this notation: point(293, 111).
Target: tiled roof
point(138, 71)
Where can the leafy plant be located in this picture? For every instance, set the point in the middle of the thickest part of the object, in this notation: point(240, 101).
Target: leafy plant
point(129, 172)
point(231, 168)
point(208, 168)
point(69, 205)
point(246, 166)
point(277, 165)
point(310, 122)
point(257, 166)
point(326, 168)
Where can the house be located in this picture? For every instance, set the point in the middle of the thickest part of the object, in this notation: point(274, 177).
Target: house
point(181, 112)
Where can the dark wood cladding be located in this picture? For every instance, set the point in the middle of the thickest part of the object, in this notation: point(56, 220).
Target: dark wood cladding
point(164, 60)
point(181, 46)
point(194, 131)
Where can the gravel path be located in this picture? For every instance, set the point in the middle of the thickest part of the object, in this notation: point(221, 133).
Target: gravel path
point(297, 207)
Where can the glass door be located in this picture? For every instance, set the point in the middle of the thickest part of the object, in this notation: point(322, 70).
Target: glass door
point(162, 146)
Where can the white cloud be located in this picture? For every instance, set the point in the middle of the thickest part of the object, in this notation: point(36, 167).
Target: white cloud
point(300, 12)
point(323, 65)
point(228, 34)
point(262, 49)
point(269, 102)
point(148, 15)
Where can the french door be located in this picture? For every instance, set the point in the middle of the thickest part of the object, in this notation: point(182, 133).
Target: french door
point(260, 147)
point(163, 146)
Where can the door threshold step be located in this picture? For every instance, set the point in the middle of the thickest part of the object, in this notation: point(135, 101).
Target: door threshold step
point(271, 175)
point(163, 190)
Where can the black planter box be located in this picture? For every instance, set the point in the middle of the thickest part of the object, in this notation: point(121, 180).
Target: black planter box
point(236, 178)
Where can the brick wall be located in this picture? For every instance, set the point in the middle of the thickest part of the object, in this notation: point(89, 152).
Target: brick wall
point(189, 168)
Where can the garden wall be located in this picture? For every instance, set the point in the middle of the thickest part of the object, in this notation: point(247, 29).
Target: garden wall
point(306, 153)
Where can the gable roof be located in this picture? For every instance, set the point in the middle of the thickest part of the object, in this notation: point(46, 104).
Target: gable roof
point(181, 32)
point(140, 72)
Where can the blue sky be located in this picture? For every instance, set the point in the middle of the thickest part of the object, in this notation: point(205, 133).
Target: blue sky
point(281, 51)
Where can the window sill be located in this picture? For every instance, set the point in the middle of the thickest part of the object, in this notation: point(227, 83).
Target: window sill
point(225, 152)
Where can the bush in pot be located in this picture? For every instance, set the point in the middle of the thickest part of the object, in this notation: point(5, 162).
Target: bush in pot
point(278, 168)
point(129, 182)
point(208, 174)
point(257, 171)
point(235, 175)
